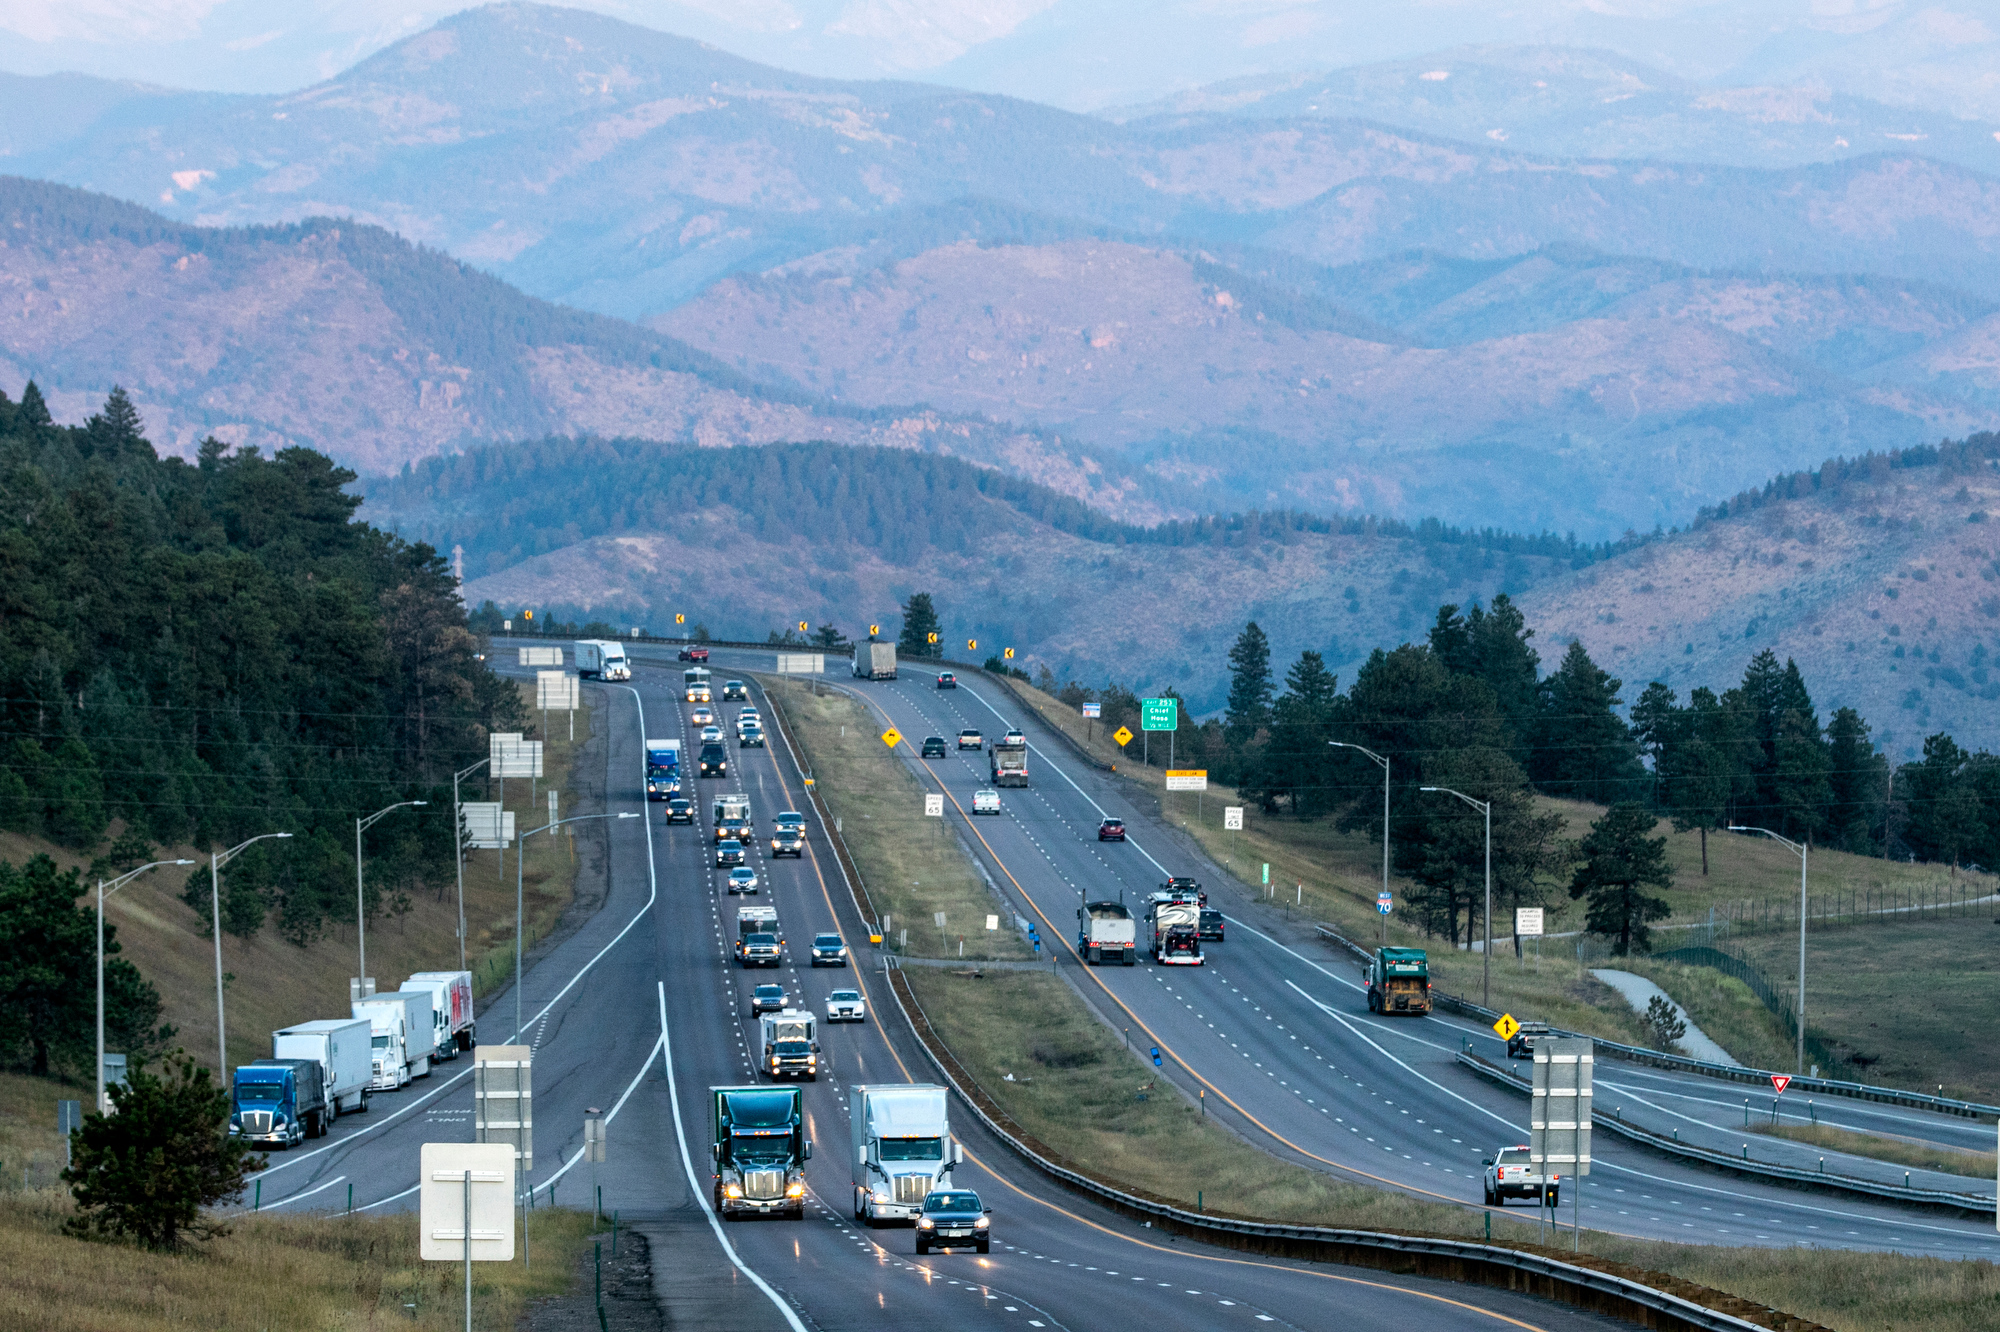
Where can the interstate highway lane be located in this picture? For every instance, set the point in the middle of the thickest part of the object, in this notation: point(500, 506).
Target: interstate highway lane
point(652, 959)
point(1277, 1027)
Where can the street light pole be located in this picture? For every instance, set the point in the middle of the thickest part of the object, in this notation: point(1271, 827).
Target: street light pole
point(105, 890)
point(361, 825)
point(215, 864)
point(1341, 744)
point(520, 847)
point(458, 851)
point(1800, 848)
point(1486, 958)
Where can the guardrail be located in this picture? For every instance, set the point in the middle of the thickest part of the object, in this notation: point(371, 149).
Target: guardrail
point(1757, 1077)
point(1743, 1165)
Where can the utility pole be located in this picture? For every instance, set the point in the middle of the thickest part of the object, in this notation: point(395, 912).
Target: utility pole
point(1486, 961)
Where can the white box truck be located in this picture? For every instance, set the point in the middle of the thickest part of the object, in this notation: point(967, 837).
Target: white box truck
point(343, 1048)
point(400, 1034)
point(601, 659)
point(451, 1009)
point(789, 1044)
point(874, 661)
point(902, 1148)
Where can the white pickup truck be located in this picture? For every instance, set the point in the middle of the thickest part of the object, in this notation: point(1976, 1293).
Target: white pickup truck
point(1512, 1174)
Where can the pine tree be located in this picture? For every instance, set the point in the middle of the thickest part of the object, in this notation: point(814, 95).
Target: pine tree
point(33, 413)
point(1250, 688)
point(1297, 761)
point(920, 628)
point(1619, 864)
point(1855, 782)
point(117, 430)
point(1510, 668)
point(1702, 765)
point(1586, 752)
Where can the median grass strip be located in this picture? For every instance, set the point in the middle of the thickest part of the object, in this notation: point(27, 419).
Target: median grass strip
point(1883, 1147)
point(913, 865)
point(302, 1273)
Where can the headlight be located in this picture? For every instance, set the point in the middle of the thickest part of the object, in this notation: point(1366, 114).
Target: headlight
point(981, 1223)
point(925, 1223)
point(796, 1190)
point(881, 1196)
point(732, 1191)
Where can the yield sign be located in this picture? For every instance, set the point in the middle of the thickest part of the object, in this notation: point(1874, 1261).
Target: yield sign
point(1781, 1081)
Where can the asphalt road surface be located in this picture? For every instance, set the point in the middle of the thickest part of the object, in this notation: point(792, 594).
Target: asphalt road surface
point(641, 1009)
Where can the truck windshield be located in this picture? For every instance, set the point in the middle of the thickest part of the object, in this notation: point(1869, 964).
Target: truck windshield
point(380, 1042)
point(912, 1149)
point(746, 1150)
point(259, 1093)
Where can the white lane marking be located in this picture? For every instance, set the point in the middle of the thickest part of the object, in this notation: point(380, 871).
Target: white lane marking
point(307, 1194)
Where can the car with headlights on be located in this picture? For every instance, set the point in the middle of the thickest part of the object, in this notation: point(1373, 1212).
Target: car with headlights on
point(828, 951)
point(742, 879)
point(954, 1219)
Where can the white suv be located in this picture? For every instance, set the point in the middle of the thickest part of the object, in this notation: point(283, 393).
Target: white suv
point(845, 1006)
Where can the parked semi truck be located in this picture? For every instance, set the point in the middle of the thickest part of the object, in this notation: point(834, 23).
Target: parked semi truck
point(399, 1026)
point(1107, 933)
point(874, 661)
point(281, 1102)
point(1008, 760)
point(789, 1044)
point(902, 1148)
point(1176, 929)
point(760, 1151)
point(451, 1010)
point(343, 1049)
point(602, 659)
point(663, 769)
point(1399, 981)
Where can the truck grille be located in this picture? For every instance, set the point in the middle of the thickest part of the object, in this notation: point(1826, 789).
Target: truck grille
point(911, 1189)
point(763, 1185)
point(257, 1121)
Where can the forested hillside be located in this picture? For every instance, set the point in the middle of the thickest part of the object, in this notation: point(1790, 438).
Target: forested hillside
point(201, 652)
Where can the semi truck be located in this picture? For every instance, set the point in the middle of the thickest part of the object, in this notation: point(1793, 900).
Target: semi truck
point(1008, 760)
point(1399, 981)
point(789, 1044)
point(902, 1148)
point(451, 1009)
point(760, 1151)
point(279, 1101)
point(343, 1049)
point(663, 769)
point(1107, 933)
point(874, 661)
point(399, 1029)
point(1176, 930)
point(602, 659)
point(694, 685)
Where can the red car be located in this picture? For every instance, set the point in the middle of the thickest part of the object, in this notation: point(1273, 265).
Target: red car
point(1111, 830)
point(694, 654)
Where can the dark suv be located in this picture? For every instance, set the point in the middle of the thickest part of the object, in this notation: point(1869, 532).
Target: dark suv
point(728, 855)
point(934, 746)
point(1211, 924)
point(828, 951)
point(788, 842)
point(714, 760)
point(954, 1219)
point(947, 680)
point(680, 811)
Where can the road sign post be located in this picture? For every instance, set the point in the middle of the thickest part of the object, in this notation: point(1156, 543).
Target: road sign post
point(1123, 735)
point(1158, 714)
point(1527, 925)
point(1559, 1115)
point(465, 1202)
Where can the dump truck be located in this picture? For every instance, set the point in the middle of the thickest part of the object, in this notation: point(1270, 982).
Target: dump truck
point(1107, 933)
point(760, 1151)
point(281, 1102)
point(788, 1044)
point(1008, 760)
point(874, 661)
point(1399, 981)
point(902, 1148)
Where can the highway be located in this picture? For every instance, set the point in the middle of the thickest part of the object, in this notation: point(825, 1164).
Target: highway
point(640, 1010)
point(1275, 1028)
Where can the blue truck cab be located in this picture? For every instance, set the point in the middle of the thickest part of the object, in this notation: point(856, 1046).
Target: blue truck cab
point(663, 769)
point(279, 1102)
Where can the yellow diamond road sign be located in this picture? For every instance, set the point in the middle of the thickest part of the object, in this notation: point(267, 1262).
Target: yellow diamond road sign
point(891, 736)
point(1506, 1026)
point(1123, 735)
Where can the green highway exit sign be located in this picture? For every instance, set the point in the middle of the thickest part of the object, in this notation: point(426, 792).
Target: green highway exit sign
point(1159, 714)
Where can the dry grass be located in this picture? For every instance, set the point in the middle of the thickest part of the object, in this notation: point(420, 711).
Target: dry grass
point(299, 1273)
point(913, 865)
point(272, 983)
point(1902, 1151)
point(31, 1151)
point(1722, 1007)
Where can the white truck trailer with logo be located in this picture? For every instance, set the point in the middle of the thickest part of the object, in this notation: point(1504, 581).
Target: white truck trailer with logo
point(902, 1148)
point(343, 1048)
point(451, 1009)
point(602, 659)
point(399, 1026)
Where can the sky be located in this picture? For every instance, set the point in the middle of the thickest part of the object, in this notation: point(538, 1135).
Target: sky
point(1080, 54)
